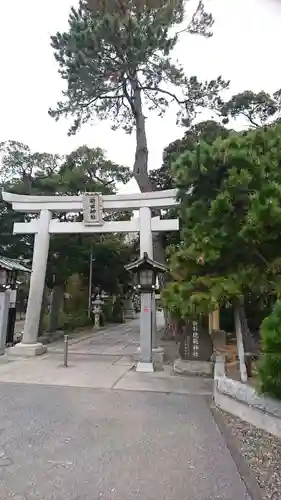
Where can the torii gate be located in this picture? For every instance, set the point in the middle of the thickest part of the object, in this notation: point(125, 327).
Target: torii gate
point(93, 205)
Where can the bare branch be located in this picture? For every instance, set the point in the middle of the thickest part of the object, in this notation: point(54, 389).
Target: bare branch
point(249, 117)
point(101, 97)
point(261, 257)
point(157, 89)
point(129, 98)
point(103, 182)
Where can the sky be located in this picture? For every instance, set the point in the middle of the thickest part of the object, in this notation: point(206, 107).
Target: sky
point(243, 49)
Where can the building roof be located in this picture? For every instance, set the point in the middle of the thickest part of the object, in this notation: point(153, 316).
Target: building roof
point(13, 265)
point(146, 260)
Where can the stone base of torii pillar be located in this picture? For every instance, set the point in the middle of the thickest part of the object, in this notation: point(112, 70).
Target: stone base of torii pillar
point(28, 350)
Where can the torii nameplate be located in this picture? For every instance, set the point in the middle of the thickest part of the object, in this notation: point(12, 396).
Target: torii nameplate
point(92, 209)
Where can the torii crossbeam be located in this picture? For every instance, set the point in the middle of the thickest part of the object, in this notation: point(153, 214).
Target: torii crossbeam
point(93, 206)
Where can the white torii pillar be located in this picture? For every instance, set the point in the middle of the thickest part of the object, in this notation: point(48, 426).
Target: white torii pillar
point(45, 225)
point(148, 310)
point(29, 344)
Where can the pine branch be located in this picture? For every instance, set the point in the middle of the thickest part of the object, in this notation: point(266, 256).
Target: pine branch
point(162, 91)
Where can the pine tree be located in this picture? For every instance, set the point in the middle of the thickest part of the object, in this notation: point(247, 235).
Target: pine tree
point(270, 364)
point(230, 194)
point(116, 61)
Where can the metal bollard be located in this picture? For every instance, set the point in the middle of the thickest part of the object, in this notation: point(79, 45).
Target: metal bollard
point(65, 361)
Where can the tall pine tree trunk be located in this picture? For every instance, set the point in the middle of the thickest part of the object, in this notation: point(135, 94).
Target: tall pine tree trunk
point(141, 154)
point(141, 175)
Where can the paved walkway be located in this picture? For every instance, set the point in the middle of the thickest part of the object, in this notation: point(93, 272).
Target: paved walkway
point(59, 443)
point(99, 430)
point(101, 360)
point(117, 340)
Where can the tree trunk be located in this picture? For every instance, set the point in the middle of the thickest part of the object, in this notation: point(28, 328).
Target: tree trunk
point(55, 307)
point(141, 175)
point(172, 328)
point(141, 154)
point(245, 341)
point(240, 342)
point(247, 337)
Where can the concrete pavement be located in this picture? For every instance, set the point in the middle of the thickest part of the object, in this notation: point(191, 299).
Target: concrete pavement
point(99, 372)
point(59, 443)
point(116, 340)
point(100, 430)
point(102, 360)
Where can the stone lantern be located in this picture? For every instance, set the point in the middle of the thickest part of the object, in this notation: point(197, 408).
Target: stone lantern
point(146, 271)
point(9, 269)
point(97, 310)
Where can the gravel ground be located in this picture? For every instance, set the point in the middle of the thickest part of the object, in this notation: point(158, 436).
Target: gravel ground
point(262, 452)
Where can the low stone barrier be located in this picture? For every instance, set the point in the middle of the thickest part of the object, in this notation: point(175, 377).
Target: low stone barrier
point(244, 402)
point(192, 367)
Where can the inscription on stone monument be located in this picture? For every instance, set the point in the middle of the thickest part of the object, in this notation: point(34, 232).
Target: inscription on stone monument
point(195, 343)
point(186, 347)
point(195, 339)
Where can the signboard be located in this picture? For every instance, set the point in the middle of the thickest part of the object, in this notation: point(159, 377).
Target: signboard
point(196, 342)
point(92, 209)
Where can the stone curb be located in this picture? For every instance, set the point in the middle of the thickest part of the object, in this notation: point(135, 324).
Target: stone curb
point(243, 468)
point(244, 402)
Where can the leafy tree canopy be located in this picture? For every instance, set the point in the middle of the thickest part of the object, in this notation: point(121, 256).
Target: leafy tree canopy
point(115, 58)
point(88, 169)
point(208, 131)
point(20, 166)
point(25, 172)
point(231, 211)
point(258, 108)
point(110, 51)
point(163, 178)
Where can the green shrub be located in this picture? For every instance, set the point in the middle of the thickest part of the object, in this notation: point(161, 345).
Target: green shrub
point(107, 308)
point(45, 322)
point(77, 294)
point(74, 320)
point(270, 364)
point(117, 311)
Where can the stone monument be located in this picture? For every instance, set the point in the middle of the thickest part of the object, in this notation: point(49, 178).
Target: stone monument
point(196, 349)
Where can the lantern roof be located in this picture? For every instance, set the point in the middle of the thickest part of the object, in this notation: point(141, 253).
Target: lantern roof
point(146, 262)
point(13, 265)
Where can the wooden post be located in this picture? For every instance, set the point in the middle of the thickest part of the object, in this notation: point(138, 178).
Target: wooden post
point(240, 345)
point(214, 320)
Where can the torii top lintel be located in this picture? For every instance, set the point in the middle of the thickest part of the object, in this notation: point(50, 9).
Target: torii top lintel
point(115, 202)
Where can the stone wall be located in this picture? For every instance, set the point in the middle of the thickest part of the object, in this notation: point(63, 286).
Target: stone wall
point(244, 402)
